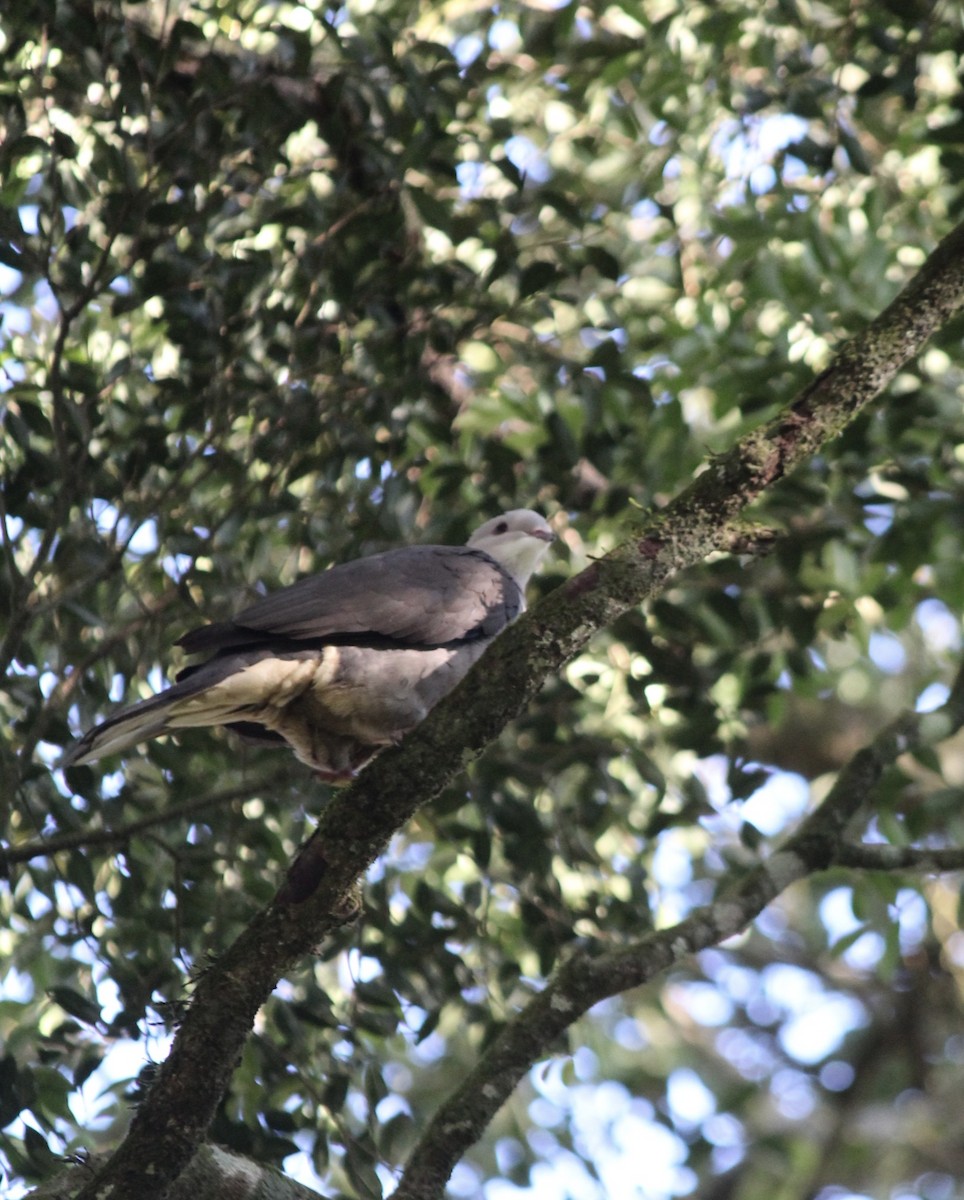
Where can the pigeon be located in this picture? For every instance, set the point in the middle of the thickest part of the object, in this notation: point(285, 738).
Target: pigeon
point(341, 664)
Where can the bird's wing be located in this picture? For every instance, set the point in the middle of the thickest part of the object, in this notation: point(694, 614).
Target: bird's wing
point(414, 596)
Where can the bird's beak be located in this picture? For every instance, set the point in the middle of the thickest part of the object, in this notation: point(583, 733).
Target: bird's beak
point(544, 535)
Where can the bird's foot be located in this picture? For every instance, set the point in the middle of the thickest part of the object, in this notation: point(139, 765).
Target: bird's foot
point(342, 777)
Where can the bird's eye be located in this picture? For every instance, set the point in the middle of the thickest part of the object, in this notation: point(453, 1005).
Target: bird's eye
point(502, 527)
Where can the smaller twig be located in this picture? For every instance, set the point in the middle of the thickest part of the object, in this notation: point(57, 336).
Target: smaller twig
point(10, 550)
point(584, 978)
point(865, 856)
point(89, 838)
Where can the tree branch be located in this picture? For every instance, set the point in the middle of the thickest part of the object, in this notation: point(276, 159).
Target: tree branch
point(587, 977)
point(864, 856)
point(215, 1173)
point(78, 839)
point(357, 826)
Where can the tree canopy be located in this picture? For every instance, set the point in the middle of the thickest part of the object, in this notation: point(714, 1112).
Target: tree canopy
point(284, 284)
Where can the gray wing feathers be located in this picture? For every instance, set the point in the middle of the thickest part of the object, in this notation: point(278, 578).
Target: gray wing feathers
point(418, 596)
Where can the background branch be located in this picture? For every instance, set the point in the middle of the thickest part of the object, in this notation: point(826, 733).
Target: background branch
point(872, 857)
point(88, 839)
point(586, 977)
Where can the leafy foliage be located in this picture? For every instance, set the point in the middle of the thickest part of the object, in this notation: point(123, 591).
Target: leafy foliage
point(284, 285)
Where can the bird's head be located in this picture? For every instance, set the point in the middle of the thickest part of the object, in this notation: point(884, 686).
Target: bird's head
point(517, 541)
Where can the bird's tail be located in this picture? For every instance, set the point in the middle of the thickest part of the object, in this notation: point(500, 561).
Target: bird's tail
point(125, 729)
point(222, 691)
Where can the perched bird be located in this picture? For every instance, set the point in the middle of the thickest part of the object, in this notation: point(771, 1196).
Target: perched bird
point(343, 663)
